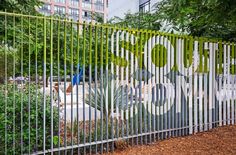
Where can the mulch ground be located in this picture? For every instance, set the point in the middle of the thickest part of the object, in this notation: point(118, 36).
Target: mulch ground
point(220, 140)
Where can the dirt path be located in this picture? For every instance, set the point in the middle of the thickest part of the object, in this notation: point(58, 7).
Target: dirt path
point(217, 141)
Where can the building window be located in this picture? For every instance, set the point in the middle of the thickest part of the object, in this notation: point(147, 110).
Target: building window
point(74, 14)
point(60, 1)
point(74, 2)
point(87, 15)
point(145, 7)
point(98, 1)
point(59, 10)
point(45, 9)
point(87, 4)
point(99, 5)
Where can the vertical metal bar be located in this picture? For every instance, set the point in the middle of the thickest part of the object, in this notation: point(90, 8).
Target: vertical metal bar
point(6, 84)
point(90, 82)
point(173, 60)
point(224, 84)
point(127, 86)
point(107, 85)
point(157, 86)
point(211, 84)
point(168, 91)
point(228, 84)
point(178, 88)
point(153, 102)
point(84, 64)
point(77, 85)
point(44, 82)
point(214, 87)
point(165, 101)
point(122, 84)
point(161, 104)
point(181, 108)
point(234, 87)
point(112, 88)
point(173, 92)
point(117, 81)
point(216, 46)
point(14, 86)
point(140, 86)
point(96, 83)
point(51, 80)
point(29, 125)
point(65, 81)
point(36, 81)
point(205, 87)
point(149, 107)
point(232, 83)
point(185, 64)
point(144, 87)
point(58, 74)
point(132, 87)
point(72, 85)
point(220, 82)
point(191, 86)
point(136, 83)
point(200, 85)
point(101, 87)
point(195, 86)
point(183, 85)
point(21, 50)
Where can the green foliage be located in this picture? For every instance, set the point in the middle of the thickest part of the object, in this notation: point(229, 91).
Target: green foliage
point(17, 116)
point(211, 18)
point(202, 18)
point(98, 95)
point(138, 21)
point(9, 53)
point(20, 6)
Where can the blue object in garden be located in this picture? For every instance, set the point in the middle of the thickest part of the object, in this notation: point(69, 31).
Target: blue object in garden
point(77, 77)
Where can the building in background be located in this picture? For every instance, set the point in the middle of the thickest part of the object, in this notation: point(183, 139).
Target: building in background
point(82, 10)
point(118, 8)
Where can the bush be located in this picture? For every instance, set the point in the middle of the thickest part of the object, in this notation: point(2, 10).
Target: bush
point(120, 94)
point(21, 109)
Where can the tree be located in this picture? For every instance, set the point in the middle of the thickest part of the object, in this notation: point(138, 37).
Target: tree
point(138, 20)
point(201, 18)
point(207, 18)
point(20, 6)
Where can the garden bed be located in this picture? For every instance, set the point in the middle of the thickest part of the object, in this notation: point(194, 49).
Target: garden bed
point(220, 140)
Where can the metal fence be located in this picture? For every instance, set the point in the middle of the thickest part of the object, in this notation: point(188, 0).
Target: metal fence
point(77, 88)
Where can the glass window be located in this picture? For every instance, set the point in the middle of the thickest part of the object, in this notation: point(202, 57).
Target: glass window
point(45, 9)
point(59, 10)
point(98, 1)
point(74, 2)
point(87, 4)
point(99, 7)
point(60, 1)
point(74, 12)
point(145, 7)
point(87, 15)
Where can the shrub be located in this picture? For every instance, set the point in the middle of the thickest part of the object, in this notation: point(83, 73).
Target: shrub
point(120, 94)
point(18, 102)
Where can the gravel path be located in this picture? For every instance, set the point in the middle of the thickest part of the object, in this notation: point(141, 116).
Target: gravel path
point(221, 140)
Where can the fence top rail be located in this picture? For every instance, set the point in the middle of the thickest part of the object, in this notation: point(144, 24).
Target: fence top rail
point(119, 28)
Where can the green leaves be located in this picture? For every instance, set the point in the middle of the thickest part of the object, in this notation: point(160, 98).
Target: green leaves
point(211, 18)
point(17, 116)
